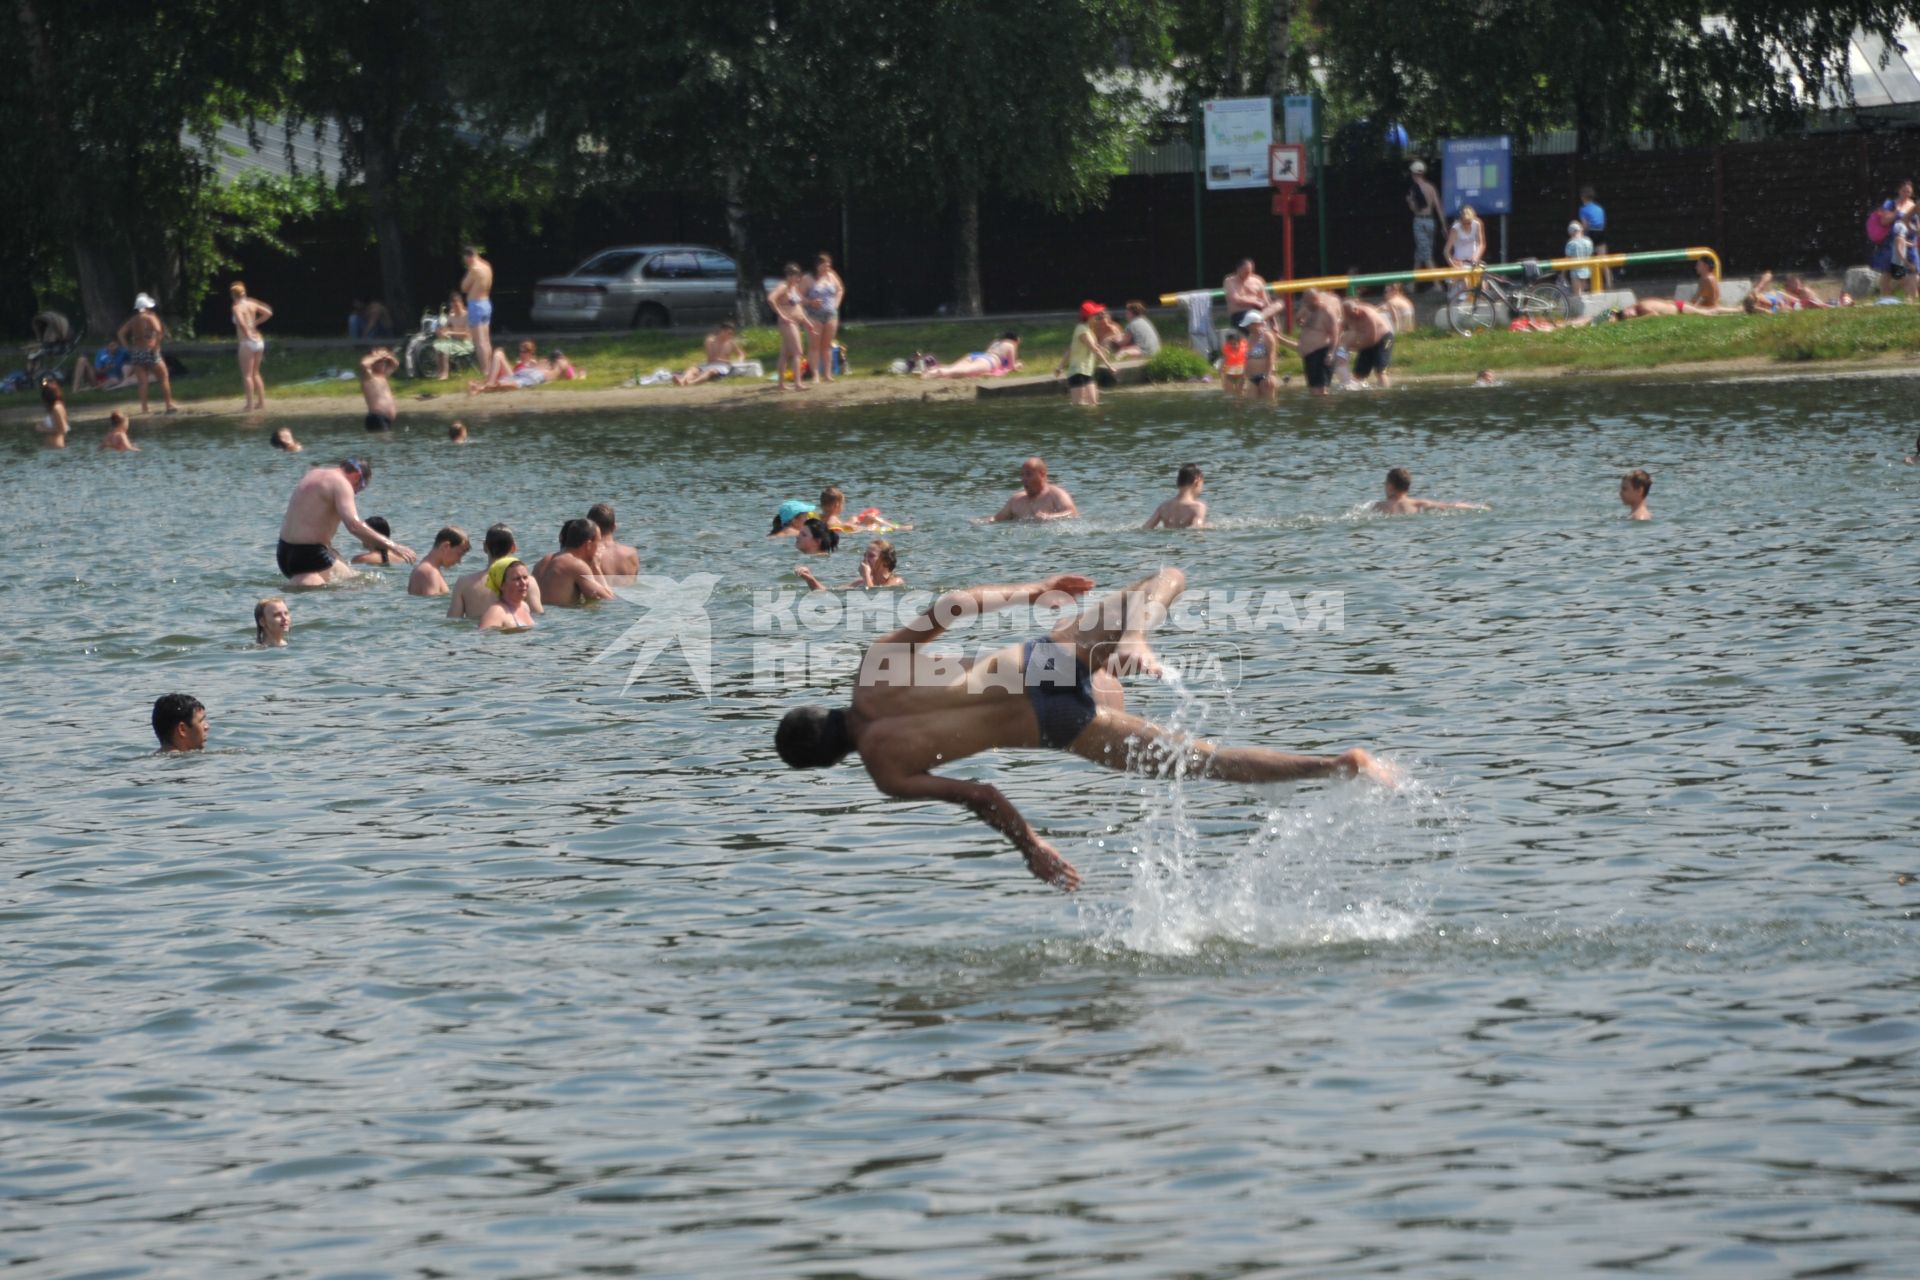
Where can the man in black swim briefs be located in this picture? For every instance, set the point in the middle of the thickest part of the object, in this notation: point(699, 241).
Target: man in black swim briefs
point(321, 502)
point(914, 710)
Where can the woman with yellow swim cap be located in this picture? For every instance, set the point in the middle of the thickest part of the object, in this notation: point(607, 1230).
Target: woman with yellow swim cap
point(510, 579)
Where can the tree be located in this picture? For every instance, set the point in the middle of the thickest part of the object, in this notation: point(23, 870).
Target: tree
point(101, 122)
point(1682, 70)
point(1036, 102)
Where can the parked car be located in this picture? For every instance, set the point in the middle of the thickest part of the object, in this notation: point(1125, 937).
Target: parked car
point(648, 286)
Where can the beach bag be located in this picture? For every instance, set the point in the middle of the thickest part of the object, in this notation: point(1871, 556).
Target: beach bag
point(1877, 230)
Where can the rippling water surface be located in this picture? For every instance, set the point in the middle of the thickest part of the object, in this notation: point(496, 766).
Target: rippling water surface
point(458, 955)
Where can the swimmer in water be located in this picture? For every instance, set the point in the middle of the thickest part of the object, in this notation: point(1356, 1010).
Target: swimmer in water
point(457, 433)
point(450, 547)
point(815, 539)
point(1183, 510)
point(180, 722)
point(793, 513)
point(1485, 378)
point(472, 594)
point(1039, 498)
point(1913, 459)
point(1634, 488)
point(877, 570)
point(379, 525)
point(618, 563)
point(376, 367)
point(512, 581)
point(282, 438)
point(568, 576)
point(1399, 503)
point(913, 711)
point(53, 426)
point(322, 500)
point(116, 439)
point(272, 620)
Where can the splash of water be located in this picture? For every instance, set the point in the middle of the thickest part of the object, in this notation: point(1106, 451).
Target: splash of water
point(1347, 863)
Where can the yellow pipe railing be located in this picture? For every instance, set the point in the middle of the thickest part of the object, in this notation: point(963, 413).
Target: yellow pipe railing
point(1427, 274)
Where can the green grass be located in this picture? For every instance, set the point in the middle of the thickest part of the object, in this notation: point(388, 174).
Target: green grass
point(1860, 333)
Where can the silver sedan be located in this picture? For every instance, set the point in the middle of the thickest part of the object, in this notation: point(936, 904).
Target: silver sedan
point(639, 286)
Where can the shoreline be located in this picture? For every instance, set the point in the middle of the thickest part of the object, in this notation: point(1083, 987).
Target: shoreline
point(881, 389)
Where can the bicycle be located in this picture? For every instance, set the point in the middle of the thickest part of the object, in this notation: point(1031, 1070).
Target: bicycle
point(1477, 304)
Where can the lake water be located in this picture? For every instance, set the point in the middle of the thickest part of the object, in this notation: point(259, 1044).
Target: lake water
point(458, 955)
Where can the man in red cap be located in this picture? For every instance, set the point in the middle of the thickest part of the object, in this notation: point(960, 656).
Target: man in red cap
point(1087, 345)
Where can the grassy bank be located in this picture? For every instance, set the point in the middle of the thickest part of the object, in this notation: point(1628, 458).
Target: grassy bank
point(1857, 334)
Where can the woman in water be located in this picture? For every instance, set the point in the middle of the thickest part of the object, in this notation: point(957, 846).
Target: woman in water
point(877, 567)
point(53, 427)
point(248, 315)
point(1634, 488)
point(271, 622)
point(116, 440)
point(789, 309)
point(813, 538)
point(1001, 356)
point(826, 294)
point(376, 557)
point(282, 438)
point(511, 580)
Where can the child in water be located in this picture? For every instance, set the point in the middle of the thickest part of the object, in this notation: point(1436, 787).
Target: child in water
point(877, 570)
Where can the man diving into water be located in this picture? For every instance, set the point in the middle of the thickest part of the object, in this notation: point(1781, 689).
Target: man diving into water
point(913, 710)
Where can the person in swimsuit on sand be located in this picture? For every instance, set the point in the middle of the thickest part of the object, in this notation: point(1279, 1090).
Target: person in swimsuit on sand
point(322, 501)
point(796, 328)
point(913, 711)
point(248, 315)
point(512, 582)
point(140, 336)
point(450, 547)
point(1183, 510)
point(477, 285)
point(1001, 356)
point(722, 350)
point(824, 297)
point(1398, 503)
point(116, 440)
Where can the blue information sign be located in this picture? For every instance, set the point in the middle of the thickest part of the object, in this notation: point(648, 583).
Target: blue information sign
point(1479, 172)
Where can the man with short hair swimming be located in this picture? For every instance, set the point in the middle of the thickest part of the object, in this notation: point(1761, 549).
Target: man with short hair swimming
point(180, 722)
point(1398, 501)
point(1634, 488)
point(1183, 510)
point(472, 595)
point(450, 547)
point(568, 576)
point(913, 711)
point(614, 560)
point(1039, 498)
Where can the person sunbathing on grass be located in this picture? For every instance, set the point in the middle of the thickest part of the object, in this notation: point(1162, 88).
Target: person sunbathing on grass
point(528, 371)
point(1001, 356)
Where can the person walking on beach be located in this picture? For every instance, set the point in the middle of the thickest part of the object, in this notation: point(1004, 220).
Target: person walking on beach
point(1424, 203)
point(788, 301)
point(248, 315)
point(825, 297)
point(912, 711)
point(322, 501)
point(1183, 510)
point(141, 336)
point(1399, 503)
point(376, 367)
point(1246, 295)
point(1038, 499)
point(477, 285)
point(1634, 488)
point(180, 722)
point(450, 547)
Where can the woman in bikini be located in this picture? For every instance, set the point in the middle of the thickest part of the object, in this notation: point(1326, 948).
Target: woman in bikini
point(1001, 356)
point(248, 315)
point(787, 301)
point(826, 294)
point(53, 427)
point(511, 580)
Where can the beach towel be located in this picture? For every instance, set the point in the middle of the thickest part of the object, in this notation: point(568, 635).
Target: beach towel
point(1200, 323)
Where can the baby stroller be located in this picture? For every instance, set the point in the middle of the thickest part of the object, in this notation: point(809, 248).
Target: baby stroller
point(49, 351)
point(420, 354)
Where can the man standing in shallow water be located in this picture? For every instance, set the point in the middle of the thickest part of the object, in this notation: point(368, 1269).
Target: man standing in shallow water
point(1634, 488)
point(912, 711)
point(616, 562)
point(1038, 499)
point(322, 501)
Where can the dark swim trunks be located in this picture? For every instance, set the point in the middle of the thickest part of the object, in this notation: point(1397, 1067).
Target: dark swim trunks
point(379, 422)
point(1318, 366)
point(297, 558)
point(1374, 358)
point(1061, 690)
